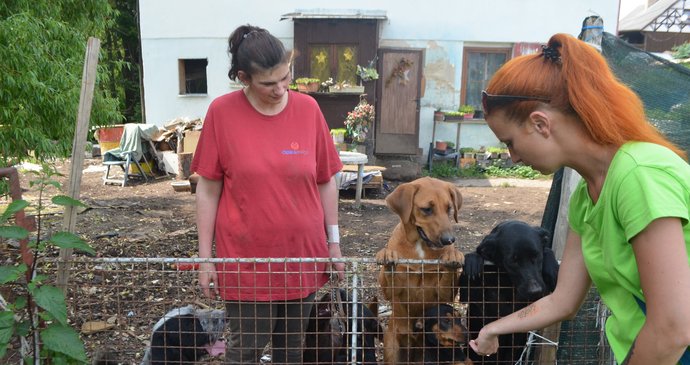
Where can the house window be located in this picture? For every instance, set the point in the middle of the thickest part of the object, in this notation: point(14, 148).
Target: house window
point(479, 65)
point(192, 76)
point(337, 61)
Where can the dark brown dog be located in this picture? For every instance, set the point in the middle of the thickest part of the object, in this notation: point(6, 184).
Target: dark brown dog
point(328, 340)
point(445, 337)
point(425, 231)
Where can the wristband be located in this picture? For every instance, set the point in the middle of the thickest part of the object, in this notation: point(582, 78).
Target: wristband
point(333, 233)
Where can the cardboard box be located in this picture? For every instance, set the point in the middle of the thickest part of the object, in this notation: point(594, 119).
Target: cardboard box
point(191, 138)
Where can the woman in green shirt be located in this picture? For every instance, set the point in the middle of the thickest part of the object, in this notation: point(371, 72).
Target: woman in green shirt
point(628, 216)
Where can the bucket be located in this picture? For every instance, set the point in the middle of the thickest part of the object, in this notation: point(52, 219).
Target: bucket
point(109, 137)
point(146, 166)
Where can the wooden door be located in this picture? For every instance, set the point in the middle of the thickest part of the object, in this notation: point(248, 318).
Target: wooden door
point(399, 90)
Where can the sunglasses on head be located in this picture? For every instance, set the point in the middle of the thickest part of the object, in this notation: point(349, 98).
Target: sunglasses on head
point(491, 100)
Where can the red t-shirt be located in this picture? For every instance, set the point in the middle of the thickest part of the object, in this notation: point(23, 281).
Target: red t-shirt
point(270, 204)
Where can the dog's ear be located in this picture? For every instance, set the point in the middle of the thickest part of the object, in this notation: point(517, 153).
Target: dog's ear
point(549, 269)
point(474, 265)
point(544, 236)
point(488, 248)
point(400, 201)
point(456, 198)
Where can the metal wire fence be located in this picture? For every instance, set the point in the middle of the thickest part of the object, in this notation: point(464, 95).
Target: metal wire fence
point(121, 305)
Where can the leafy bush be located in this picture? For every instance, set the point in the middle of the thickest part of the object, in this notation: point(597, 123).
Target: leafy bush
point(38, 315)
point(42, 51)
point(497, 169)
point(682, 51)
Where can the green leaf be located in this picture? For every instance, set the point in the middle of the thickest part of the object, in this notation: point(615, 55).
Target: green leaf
point(64, 340)
point(6, 330)
point(66, 201)
point(13, 232)
point(71, 240)
point(23, 328)
point(20, 302)
point(52, 300)
point(11, 273)
point(13, 208)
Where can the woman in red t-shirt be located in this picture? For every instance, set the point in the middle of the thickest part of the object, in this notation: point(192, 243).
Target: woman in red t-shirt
point(276, 199)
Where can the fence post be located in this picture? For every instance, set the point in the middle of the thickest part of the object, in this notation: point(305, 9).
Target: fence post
point(88, 83)
point(546, 355)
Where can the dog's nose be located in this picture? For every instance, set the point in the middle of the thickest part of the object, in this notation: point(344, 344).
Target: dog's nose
point(447, 239)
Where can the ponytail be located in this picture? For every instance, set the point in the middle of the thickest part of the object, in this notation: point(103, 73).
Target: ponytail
point(578, 81)
point(254, 49)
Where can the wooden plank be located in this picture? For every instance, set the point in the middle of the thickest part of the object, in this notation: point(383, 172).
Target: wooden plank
point(367, 168)
point(88, 83)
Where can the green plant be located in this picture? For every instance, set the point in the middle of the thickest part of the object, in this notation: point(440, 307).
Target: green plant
point(42, 57)
point(496, 150)
point(466, 109)
point(306, 80)
point(466, 149)
point(453, 113)
point(682, 51)
point(367, 73)
point(450, 144)
point(38, 314)
point(338, 131)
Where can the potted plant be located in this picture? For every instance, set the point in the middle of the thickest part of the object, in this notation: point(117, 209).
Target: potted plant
point(338, 135)
point(308, 84)
point(359, 120)
point(467, 111)
point(494, 152)
point(468, 152)
point(439, 116)
point(453, 116)
point(440, 145)
point(450, 145)
point(346, 87)
point(368, 73)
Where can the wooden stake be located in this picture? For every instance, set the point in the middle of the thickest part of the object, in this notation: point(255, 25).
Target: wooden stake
point(88, 82)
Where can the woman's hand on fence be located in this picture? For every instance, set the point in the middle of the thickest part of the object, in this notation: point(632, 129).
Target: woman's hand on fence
point(208, 280)
point(334, 253)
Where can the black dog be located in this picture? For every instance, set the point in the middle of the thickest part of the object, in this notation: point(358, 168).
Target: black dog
point(181, 336)
point(445, 337)
point(522, 269)
point(328, 335)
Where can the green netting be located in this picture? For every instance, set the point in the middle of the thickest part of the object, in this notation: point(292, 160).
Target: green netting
point(663, 86)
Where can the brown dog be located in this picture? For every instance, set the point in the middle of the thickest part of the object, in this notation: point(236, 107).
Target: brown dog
point(425, 232)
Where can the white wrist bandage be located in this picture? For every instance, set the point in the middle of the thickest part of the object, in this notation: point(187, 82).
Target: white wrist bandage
point(333, 234)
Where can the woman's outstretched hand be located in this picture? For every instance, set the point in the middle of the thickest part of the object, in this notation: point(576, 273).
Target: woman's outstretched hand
point(485, 344)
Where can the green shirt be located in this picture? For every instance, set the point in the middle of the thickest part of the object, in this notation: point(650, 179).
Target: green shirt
point(645, 181)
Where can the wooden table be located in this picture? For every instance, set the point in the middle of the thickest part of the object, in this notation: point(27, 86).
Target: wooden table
point(360, 159)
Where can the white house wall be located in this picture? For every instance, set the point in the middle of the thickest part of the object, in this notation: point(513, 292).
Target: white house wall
point(183, 29)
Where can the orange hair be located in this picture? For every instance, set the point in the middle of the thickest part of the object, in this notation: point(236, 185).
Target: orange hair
point(582, 84)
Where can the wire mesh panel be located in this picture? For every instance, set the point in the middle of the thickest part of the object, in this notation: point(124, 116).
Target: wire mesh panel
point(151, 310)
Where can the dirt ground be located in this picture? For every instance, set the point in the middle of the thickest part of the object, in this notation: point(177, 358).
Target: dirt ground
point(152, 220)
point(163, 221)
